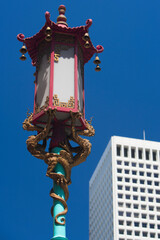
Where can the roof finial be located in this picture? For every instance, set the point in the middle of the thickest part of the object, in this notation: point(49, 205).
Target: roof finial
point(61, 19)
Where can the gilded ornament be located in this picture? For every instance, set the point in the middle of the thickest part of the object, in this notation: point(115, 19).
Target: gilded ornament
point(65, 158)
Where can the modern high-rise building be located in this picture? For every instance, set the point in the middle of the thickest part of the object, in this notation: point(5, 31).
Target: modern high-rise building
point(124, 191)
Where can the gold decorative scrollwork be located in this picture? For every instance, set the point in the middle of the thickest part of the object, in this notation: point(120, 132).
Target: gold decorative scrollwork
point(70, 104)
point(65, 158)
point(63, 104)
point(55, 100)
point(56, 57)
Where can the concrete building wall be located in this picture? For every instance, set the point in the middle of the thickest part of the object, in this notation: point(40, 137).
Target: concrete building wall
point(124, 191)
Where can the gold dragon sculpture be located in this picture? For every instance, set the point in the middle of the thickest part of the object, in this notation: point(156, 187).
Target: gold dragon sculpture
point(69, 157)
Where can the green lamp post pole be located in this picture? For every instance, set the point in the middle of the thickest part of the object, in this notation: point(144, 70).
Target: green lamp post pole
point(59, 231)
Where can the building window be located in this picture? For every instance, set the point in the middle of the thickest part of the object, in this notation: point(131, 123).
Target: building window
point(141, 173)
point(144, 225)
point(121, 222)
point(156, 183)
point(118, 150)
point(143, 207)
point(158, 218)
point(157, 191)
point(134, 180)
point(137, 233)
point(151, 208)
point(120, 213)
point(157, 200)
point(121, 231)
point(140, 153)
point(135, 206)
point(134, 164)
point(129, 223)
point(128, 196)
point(142, 189)
point(120, 195)
point(135, 197)
point(127, 180)
point(141, 181)
point(148, 166)
point(144, 215)
point(152, 235)
point(126, 163)
point(126, 171)
point(120, 204)
point(156, 175)
point(125, 152)
point(150, 190)
point(135, 189)
point(145, 234)
point(128, 214)
point(119, 162)
point(136, 215)
point(127, 188)
point(147, 154)
point(154, 155)
point(133, 152)
point(136, 224)
point(119, 179)
point(128, 205)
point(120, 187)
point(149, 182)
point(152, 225)
point(134, 172)
point(155, 167)
point(119, 170)
point(129, 232)
point(149, 174)
point(141, 165)
point(151, 217)
point(150, 199)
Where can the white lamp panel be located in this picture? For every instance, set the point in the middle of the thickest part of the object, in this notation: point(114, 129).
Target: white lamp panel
point(80, 86)
point(63, 83)
point(43, 81)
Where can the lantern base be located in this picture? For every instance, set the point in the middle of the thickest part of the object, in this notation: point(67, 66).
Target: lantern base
point(59, 238)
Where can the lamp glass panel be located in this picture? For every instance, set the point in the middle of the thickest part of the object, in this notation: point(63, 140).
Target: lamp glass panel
point(80, 81)
point(63, 81)
point(43, 80)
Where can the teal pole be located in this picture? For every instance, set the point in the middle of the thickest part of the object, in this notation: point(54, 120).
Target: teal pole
point(59, 231)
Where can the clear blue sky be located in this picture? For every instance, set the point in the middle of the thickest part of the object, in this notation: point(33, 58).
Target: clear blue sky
point(123, 99)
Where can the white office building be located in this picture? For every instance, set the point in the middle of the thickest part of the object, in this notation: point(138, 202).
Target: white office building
point(124, 191)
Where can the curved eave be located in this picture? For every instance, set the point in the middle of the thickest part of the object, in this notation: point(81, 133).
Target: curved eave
point(33, 42)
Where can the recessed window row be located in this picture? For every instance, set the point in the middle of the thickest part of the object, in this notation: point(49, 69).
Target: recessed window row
point(135, 172)
point(138, 233)
point(139, 153)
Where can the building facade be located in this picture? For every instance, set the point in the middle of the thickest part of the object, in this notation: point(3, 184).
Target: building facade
point(124, 191)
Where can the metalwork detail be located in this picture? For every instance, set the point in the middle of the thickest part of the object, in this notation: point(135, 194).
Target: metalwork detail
point(56, 57)
point(65, 158)
point(70, 104)
point(55, 100)
point(63, 104)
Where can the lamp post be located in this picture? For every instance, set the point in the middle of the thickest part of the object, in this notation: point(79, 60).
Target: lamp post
point(59, 53)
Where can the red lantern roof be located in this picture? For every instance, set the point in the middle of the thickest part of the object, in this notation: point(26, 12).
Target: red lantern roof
point(59, 27)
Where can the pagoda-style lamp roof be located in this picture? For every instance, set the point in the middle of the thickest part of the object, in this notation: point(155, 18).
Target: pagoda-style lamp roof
point(60, 27)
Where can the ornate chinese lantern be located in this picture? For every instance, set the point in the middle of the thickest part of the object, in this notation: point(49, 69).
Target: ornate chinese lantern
point(59, 53)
